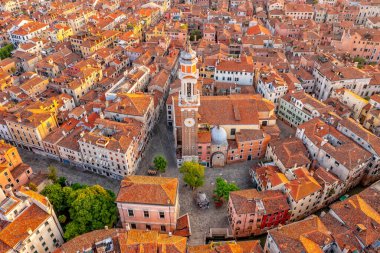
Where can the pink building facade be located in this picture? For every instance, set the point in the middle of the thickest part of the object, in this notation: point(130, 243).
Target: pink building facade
point(149, 217)
point(365, 46)
point(252, 213)
point(149, 203)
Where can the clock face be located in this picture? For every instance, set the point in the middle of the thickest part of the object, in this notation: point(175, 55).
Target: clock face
point(189, 122)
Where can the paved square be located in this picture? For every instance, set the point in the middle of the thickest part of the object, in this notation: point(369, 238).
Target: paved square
point(162, 142)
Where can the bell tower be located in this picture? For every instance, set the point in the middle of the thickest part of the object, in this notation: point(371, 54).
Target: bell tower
point(189, 102)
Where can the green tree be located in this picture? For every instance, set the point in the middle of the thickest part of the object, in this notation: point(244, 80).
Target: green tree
point(195, 35)
point(57, 196)
point(62, 219)
point(62, 181)
point(91, 208)
point(160, 163)
point(53, 173)
point(5, 51)
point(223, 188)
point(193, 174)
point(78, 186)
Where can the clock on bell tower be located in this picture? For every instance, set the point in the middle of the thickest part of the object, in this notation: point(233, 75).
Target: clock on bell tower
point(189, 102)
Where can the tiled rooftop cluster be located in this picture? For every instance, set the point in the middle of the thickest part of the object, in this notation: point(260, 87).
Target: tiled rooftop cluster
point(86, 82)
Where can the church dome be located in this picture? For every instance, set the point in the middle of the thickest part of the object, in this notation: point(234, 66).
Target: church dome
point(218, 136)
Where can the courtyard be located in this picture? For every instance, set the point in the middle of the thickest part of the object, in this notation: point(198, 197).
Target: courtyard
point(162, 143)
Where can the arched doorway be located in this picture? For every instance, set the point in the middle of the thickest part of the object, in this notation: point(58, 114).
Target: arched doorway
point(218, 159)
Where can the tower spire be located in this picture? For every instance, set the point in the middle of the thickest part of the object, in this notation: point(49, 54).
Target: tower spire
point(188, 45)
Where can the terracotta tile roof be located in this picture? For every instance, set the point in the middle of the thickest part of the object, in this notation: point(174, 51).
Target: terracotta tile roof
point(251, 109)
point(239, 66)
point(20, 169)
point(347, 153)
point(360, 213)
point(228, 247)
point(303, 185)
point(344, 237)
point(175, 244)
point(131, 104)
point(148, 190)
point(343, 73)
point(363, 133)
point(290, 152)
point(204, 137)
point(270, 174)
point(375, 98)
point(324, 177)
point(17, 231)
point(123, 134)
point(244, 201)
point(71, 140)
point(35, 195)
point(249, 135)
point(297, 7)
point(161, 78)
point(88, 240)
point(308, 235)
point(183, 226)
point(29, 28)
point(258, 30)
point(137, 241)
point(309, 103)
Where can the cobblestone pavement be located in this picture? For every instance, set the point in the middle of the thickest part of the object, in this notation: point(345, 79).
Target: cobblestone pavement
point(201, 220)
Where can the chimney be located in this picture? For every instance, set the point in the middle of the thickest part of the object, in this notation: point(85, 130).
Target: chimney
point(106, 227)
point(30, 231)
point(170, 234)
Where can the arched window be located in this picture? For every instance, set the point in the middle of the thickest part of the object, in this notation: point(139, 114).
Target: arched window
point(188, 90)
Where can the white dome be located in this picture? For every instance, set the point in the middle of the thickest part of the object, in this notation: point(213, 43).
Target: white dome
point(218, 136)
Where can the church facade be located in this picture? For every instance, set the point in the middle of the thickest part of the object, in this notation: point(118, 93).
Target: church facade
point(217, 130)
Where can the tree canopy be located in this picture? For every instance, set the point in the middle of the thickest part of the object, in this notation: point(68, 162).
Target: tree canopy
point(82, 208)
point(195, 35)
point(5, 51)
point(57, 196)
point(193, 174)
point(91, 208)
point(160, 163)
point(223, 188)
